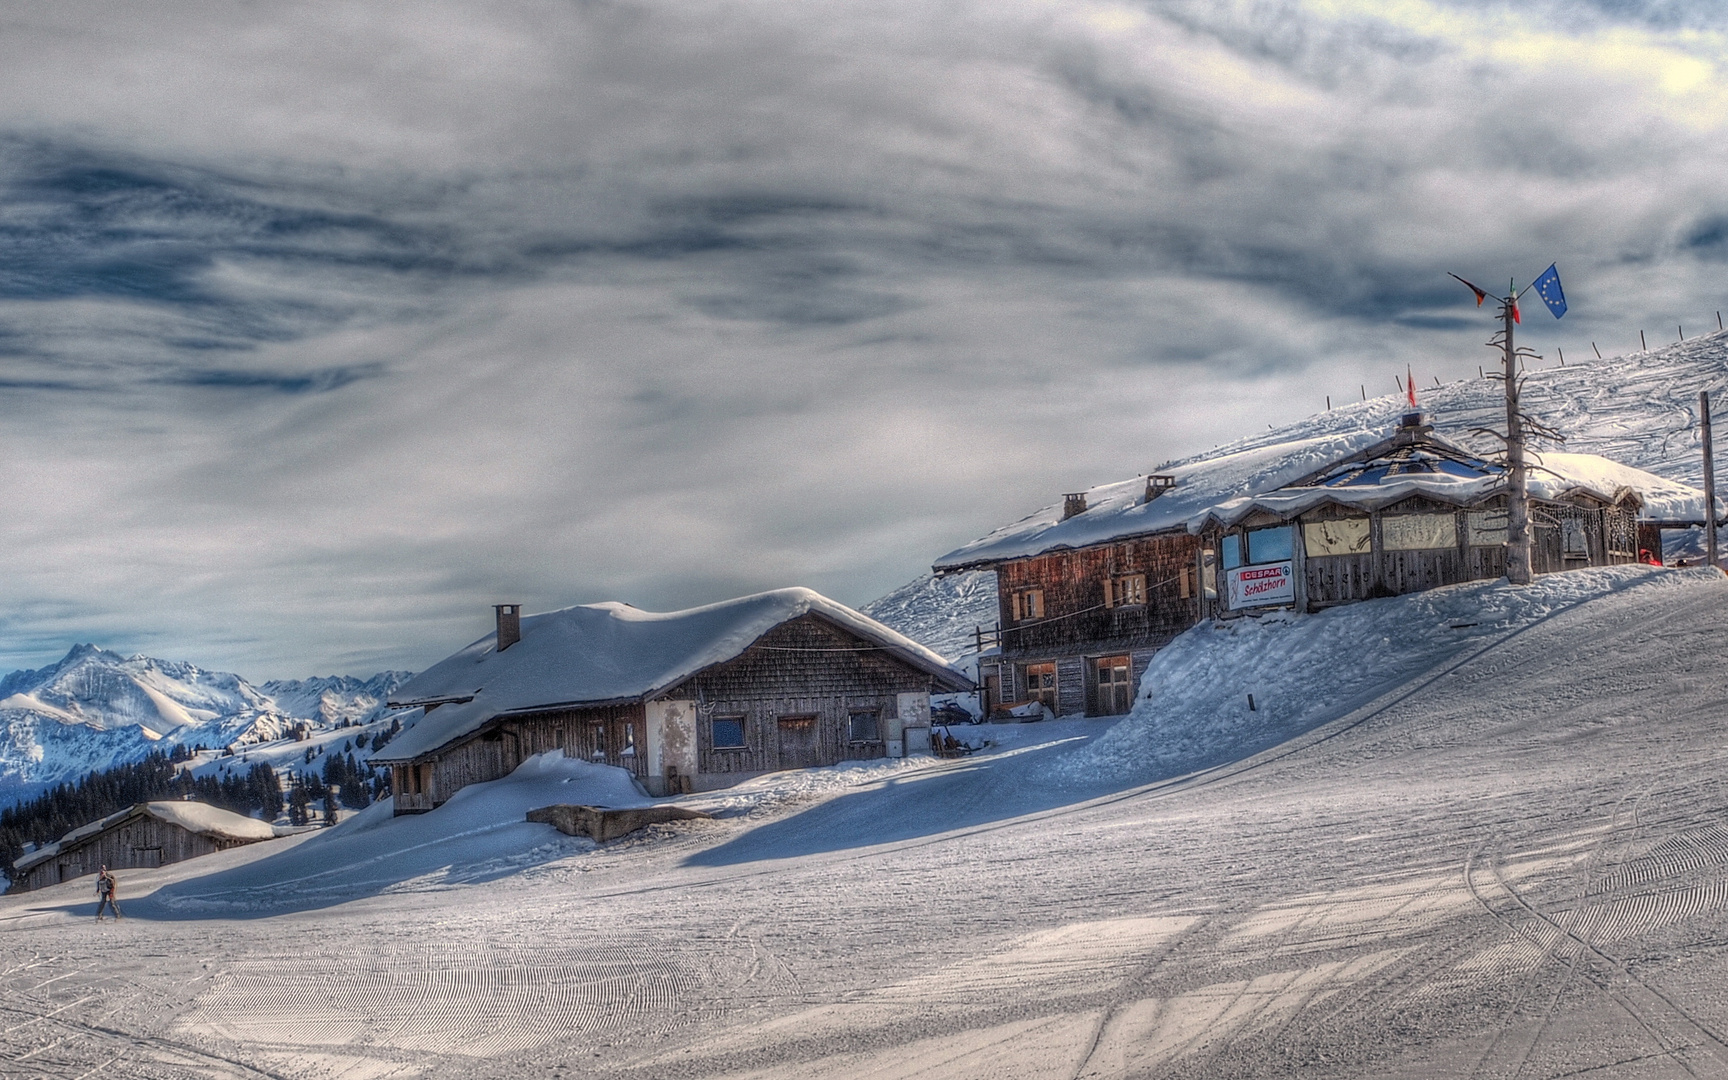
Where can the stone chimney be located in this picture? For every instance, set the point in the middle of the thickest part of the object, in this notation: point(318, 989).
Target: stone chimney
point(1157, 484)
point(509, 624)
point(1073, 503)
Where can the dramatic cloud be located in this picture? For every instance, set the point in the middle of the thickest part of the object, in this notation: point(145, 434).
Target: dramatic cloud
point(324, 327)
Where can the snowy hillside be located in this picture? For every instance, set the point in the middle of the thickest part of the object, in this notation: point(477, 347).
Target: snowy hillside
point(940, 613)
point(1495, 851)
point(1193, 708)
point(95, 708)
point(1640, 410)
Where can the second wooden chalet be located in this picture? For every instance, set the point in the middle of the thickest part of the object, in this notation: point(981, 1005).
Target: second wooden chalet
point(146, 835)
point(685, 700)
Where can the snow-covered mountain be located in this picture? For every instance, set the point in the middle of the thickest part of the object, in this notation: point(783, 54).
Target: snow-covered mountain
point(331, 700)
point(95, 708)
point(1640, 409)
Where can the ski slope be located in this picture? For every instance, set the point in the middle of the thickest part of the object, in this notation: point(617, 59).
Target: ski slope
point(1498, 855)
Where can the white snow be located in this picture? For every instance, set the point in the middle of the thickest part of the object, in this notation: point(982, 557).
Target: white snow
point(1121, 509)
point(599, 653)
point(1553, 476)
point(203, 818)
point(1499, 858)
point(1192, 708)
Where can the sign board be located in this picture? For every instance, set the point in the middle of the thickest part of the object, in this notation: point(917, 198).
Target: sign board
point(1254, 586)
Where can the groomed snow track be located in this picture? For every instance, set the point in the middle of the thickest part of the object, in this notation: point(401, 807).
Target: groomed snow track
point(1514, 864)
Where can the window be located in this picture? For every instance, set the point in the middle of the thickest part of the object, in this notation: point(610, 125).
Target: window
point(864, 726)
point(1208, 575)
point(1487, 528)
point(1029, 605)
point(1268, 545)
point(629, 741)
point(1115, 694)
point(1232, 552)
point(1572, 533)
point(1342, 536)
point(1041, 684)
point(726, 732)
point(597, 742)
point(1125, 591)
point(1418, 532)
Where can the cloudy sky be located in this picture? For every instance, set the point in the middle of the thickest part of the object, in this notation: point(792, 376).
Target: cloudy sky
point(325, 327)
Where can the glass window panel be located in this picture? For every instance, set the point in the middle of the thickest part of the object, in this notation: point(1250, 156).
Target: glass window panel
point(1269, 545)
point(1576, 544)
point(728, 731)
point(1344, 536)
point(1232, 552)
point(1419, 532)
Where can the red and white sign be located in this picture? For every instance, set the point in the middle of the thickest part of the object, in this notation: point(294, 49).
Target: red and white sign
point(1254, 586)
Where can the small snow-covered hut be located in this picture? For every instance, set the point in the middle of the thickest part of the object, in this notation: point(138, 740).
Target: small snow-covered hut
point(1415, 512)
point(148, 834)
point(685, 700)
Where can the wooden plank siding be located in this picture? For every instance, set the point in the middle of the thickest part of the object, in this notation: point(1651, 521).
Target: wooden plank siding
point(138, 842)
point(1076, 616)
point(806, 667)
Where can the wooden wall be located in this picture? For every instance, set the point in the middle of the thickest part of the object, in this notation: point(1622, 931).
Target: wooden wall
point(1075, 616)
point(139, 842)
point(508, 742)
point(806, 667)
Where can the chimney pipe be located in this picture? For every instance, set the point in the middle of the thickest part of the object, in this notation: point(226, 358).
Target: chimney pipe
point(509, 624)
point(1073, 503)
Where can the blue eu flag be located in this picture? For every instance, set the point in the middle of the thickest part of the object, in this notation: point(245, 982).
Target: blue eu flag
point(1548, 288)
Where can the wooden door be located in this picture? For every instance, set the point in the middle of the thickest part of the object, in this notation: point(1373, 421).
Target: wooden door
point(799, 748)
point(1115, 694)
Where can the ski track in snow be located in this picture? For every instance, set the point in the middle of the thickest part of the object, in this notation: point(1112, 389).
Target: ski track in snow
point(1501, 858)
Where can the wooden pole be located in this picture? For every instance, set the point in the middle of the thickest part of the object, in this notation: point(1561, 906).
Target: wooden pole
point(1709, 478)
point(1643, 346)
point(1518, 568)
point(1595, 350)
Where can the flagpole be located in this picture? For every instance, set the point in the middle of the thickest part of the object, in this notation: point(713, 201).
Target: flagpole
point(1518, 568)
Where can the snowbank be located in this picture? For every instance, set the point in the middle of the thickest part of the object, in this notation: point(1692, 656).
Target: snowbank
point(479, 834)
point(1192, 707)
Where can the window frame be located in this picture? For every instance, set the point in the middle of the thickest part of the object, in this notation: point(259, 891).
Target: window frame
point(1028, 605)
point(740, 719)
point(852, 717)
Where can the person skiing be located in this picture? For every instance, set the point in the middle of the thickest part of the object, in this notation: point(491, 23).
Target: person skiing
point(105, 895)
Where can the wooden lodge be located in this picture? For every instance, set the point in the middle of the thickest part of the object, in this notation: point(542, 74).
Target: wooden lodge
point(146, 835)
point(1416, 512)
point(686, 700)
point(1089, 589)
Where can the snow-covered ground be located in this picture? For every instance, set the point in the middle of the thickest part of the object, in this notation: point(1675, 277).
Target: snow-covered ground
point(1498, 850)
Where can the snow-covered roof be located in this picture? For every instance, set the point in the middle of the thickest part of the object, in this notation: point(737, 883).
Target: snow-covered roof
point(612, 652)
point(1461, 480)
point(1227, 487)
point(1118, 511)
point(195, 817)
